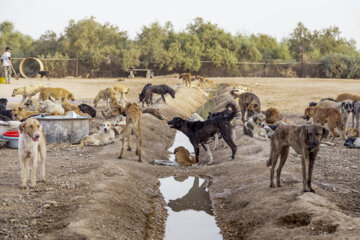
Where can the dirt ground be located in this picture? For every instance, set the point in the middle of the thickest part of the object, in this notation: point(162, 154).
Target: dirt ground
point(90, 194)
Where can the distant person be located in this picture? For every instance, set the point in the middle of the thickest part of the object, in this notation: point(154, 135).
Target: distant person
point(6, 61)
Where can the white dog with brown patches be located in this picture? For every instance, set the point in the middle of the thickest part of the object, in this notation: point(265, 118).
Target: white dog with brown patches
point(32, 145)
point(104, 136)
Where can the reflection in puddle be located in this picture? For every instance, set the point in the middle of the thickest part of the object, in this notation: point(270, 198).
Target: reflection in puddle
point(189, 208)
point(180, 140)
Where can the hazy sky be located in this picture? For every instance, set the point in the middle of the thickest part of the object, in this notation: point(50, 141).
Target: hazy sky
point(275, 17)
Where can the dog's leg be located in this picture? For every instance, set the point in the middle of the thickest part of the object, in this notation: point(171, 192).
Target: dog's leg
point(24, 174)
point(283, 156)
point(353, 118)
point(125, 133)
point(209, 153)
point(163, 98)
point(226, 132)
point(138, 143)
point(233, 133)
point(304, 165)
point(42, 151)
point(34, 160)
point(357, 119)
point(197, 151)
point(312, 157)
point(129, 144)
point(333, 133)
point(242, 114)
point(274, 155)
point(216, 141)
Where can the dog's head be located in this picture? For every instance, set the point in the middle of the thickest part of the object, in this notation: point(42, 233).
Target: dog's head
point(15, 92)
point(350, 142)
point(106, 126)
point(71, 97)
point(308, 113)
point(253, 108)
point(352, 132)
point(176, 123)
point(32, 128)
point(3, 102)
point(259, 119)
point(347, 105)
point(16, 112)
point(313, 136)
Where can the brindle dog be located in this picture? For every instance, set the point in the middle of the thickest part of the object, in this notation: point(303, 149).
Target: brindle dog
point(248, 102)
point(305, 140)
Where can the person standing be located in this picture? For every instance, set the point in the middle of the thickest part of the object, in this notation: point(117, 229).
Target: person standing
point(6, 61)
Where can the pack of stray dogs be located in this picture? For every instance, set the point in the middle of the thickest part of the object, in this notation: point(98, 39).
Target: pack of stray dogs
point(268, 125)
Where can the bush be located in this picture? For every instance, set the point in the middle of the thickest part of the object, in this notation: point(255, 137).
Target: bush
point(340, 66)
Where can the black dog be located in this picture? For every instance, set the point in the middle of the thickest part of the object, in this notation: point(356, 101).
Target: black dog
point(3, 103)
point(44, 73)
point(142, 94)
point(87, 109)
point(200, 132)
point(162, 89)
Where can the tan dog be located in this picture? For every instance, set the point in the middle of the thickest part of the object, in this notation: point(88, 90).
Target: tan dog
point(248, 102)
point(273, 115)
point(305, 140)
point(20, 113)
point(203, 81)
point(26, 91)
point(346, 96)
point(122, 90)
point(186, 77)
point(32, 145)
point(352, 132)
point(69, 107)
point(51, 108)
point(55, 94)
point(104, 136)
point(115, 107)
point(103, 94)
point(331, 116)
point(183, 157)
point(133, 123)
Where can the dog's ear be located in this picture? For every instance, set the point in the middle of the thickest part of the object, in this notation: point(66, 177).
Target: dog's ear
point(325, 133)
point(21, 127)
point(255, 105)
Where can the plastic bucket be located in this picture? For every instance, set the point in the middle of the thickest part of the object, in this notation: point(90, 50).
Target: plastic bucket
point(12, 137)
point(2, 80)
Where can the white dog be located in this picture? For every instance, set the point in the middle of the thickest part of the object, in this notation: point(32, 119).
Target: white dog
point(255, 127)
point(104, 136)
point(32, 144)
point(51, 108)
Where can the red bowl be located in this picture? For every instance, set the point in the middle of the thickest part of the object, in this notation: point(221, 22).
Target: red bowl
point(11, 134)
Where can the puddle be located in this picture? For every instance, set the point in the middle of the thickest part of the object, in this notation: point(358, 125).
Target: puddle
point(180, 140)
point(189, 208)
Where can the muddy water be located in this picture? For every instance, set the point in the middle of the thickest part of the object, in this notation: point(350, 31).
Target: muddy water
point(189, 208)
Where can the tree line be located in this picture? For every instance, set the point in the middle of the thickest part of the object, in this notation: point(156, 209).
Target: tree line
point(160, 47)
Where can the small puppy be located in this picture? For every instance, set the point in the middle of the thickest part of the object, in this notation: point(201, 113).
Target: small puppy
point(352, 132)
point(104, 136)
point(352, 142)
point(51, 108)
point(87, 109)
point(32, 144)
point(183, 157)
point(255, 127)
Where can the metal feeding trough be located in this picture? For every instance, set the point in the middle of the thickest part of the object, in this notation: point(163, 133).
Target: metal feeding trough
point(70, 128)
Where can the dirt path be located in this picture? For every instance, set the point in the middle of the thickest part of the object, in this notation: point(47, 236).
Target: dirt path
point(92, 195)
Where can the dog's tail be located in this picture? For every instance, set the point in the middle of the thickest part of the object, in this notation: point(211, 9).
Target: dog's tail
point(233, 93)
point(231, 107)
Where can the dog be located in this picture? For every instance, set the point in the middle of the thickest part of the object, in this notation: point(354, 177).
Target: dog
point(186, 77)
point(154, 112)
point(203, 80)
point(27, 91)
point(87, 109)
point(352, 132)
point(305, 140)
point(115, 107)
point(345, 108)
point(182, 158)
point(44, 74)
point(5, 115)
point(255, 127)
point(346, 96)
point(104, 136)
point(19, 113)
point(122, 90)
point(273, 115)
point(103, 94)
point(356, 113)
point(32, 145)
point(162, 89)
point(200, 132)
point(69, 107)
point(51, 108)
point(142, 94)
point(33, 104)
point(133, 124)
point(352, 142)
point(54, 94)
point(331, 116)
point(248, 102)
point(3, 103)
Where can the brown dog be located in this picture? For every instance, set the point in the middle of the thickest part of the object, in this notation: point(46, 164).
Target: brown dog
point(248, 102)
point(32, 145)
point(186, 77)
point(55, 93)
point(133, 124)
point(331, 116)
point(103, 94)
point(20, 113)
point(273, 115)
point(183, 157)
point(305, 140)
point(352, 132)
point(346, 96)
point(69, 107)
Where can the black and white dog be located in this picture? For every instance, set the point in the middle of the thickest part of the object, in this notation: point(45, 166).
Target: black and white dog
point(352, 142)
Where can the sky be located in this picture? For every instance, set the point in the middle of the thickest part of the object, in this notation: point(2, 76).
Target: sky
point(274, 17)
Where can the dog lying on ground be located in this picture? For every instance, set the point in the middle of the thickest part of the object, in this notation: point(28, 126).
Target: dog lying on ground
point(345, 108)
point(255, 127)
point(352, 132)
point(331, 116)
point(104, 136)
point(356, 113)
point(87, 109)
point(154, 112)
point(186, 77)
point(305, 140)
point(69, 107)
point(352, 142)
point(27, 91)
point(273, 115)
point(346, 96)
point(199, 132)
point(182, 158)
point(20, 113)
point(162, 89)
point(248, 102)
point(103, 94)
point(51, 108)
point(32, 145)
point(32, 104)
point(133, 124)
point(54, 94)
